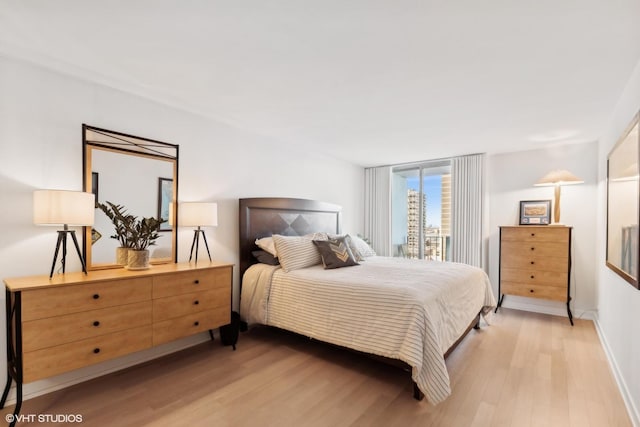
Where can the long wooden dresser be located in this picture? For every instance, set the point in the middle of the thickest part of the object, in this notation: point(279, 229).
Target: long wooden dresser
point(74, 320)
point(535, 262)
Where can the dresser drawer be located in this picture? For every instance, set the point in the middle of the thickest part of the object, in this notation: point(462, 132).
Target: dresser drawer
point(191, 281)
point(194, 323)
point(43, 333)
point(547, 249)
point(534, 277)
point(534, 291)
point(56, 360)
point(533, 260)
point(535, 234)
point(50, 302)
point(172, 307)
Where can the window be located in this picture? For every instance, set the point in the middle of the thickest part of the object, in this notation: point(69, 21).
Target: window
point(421, 211)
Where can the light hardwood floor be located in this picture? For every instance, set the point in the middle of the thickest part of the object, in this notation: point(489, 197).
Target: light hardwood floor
point(525, 369)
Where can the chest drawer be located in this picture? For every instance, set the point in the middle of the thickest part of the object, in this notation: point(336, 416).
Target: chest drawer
point(545, 249)
point(535, 234)
point(534, 291)
point(181, 305)
point(518, 260)
point(534, 277)
point(193, 323)
point(191, 281)
point(58, 301)
point(42, 333)
point(55, 360)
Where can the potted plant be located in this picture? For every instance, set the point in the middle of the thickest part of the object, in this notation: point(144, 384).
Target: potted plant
point(122, 222)
point(141, 233)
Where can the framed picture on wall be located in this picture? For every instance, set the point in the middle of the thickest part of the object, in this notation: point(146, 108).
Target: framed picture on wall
point(535, 212)
point(165, 196)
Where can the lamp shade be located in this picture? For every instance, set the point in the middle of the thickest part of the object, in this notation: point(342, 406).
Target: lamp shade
point(558, 177)
point(198, 214)
point(60, 207)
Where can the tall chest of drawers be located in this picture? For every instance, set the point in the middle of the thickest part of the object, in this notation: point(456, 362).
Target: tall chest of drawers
point(75, 320)
point(535, 262)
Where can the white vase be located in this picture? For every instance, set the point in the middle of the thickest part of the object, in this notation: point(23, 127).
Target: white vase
point(138, 260)
point(122, 255)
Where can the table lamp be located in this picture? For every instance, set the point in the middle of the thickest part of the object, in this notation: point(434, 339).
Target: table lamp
point(61, 207)
point(558, 178)
point(198, 214)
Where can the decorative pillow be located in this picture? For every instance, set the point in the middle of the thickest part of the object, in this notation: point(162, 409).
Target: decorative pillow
point(335, 253)
point(266, 243)
point(265, 257)
point(362, 246)
point(296, 252)
point(349, 241)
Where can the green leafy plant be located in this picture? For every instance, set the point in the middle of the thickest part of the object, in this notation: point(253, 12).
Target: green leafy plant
point(131, 232)
point(143, 233)
point(122, 221)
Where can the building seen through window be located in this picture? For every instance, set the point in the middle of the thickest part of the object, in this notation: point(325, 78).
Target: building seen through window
point(421, 211)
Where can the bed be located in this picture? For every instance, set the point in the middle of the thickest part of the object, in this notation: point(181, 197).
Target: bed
point(412, 311)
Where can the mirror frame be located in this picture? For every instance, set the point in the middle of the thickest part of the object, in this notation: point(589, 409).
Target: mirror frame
point(94, 138)
point(633, 199)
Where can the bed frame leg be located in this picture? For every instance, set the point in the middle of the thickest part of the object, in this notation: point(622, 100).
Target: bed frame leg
point(417, 393)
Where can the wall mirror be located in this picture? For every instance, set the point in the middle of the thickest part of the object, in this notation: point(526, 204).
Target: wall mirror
point(623, 205)
point(138, 173)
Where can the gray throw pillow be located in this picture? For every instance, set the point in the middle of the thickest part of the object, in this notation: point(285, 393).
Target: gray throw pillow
point(335, 253)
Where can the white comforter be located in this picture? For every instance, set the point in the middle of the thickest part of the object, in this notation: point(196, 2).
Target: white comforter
point(409, 310)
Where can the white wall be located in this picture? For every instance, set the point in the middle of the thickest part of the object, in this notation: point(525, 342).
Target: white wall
point(618, 302)
point(41, 113)
point(511, 177)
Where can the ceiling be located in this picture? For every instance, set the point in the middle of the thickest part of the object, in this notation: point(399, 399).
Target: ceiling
point(371, 82)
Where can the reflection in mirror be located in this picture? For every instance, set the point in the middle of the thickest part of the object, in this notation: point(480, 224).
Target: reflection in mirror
point(137, 173)
point(623, 202)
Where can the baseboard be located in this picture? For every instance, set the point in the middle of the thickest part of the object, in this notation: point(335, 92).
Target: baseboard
point(555, 310)
point(68, 379)
point(632, 410)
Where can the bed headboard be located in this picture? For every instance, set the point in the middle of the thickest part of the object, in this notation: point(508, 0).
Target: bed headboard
point(262, 217)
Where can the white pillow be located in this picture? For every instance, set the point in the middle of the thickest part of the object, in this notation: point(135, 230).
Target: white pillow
point(266, 244)
point(362, 246)
point(296, 252)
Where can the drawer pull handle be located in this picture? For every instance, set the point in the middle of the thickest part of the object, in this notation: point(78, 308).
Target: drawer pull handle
point(533, 249)
point(533, 234)
point(532, 262)
point(196, 281)
point(96, 296)
point(196, 323)
point(196, 302)
point(531, 290)
point(96, 350)
point(96, 323)
point(532, 276)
